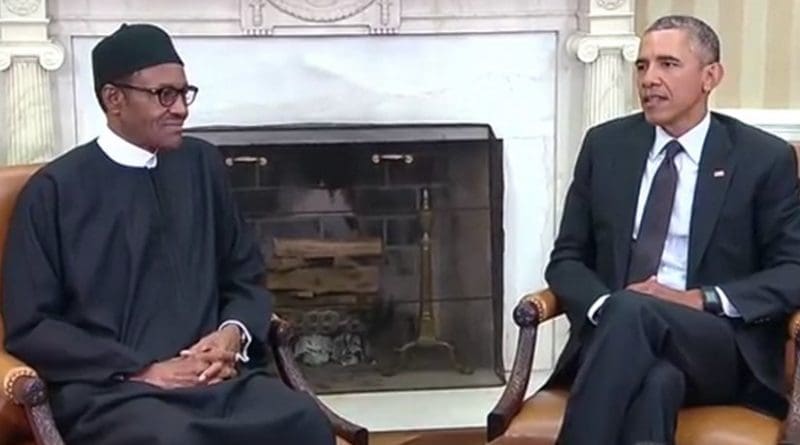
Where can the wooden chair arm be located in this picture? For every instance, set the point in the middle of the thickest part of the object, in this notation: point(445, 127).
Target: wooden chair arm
point(532, 309)
point(791, 427)
point(17, 378)
point(13, 422)
point(23, 386)
point(280, 338)
point(537, 307)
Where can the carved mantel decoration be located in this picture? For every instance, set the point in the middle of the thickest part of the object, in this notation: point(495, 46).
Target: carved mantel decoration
point(49, 55)
point(610, 4)
point(320, 10)
point(22, 7)
point(607, 46)
point(264, 17)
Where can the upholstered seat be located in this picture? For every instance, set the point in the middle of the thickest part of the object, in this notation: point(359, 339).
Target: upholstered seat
point(540, 418)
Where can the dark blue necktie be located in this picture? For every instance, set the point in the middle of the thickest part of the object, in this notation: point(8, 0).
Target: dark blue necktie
point(649, 245)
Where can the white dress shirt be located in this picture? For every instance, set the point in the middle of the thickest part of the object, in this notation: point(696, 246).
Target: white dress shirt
point(674, 258)
point(124, 153)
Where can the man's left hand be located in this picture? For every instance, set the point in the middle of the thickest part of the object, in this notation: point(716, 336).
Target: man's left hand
point(692, 298)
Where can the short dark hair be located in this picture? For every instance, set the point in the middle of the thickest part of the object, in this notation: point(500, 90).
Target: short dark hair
point(702, 35)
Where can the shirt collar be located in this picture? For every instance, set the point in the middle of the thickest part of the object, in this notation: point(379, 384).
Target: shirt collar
point(692, 141)
point(123, 152)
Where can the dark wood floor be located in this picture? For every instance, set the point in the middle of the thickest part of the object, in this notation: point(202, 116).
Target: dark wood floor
point(450, 437)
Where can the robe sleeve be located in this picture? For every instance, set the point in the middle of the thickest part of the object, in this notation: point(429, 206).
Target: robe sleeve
point(35, 298)
point(242, 272)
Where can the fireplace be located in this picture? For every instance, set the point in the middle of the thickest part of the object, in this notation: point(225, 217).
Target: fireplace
point(384, 248)
point(453, 63)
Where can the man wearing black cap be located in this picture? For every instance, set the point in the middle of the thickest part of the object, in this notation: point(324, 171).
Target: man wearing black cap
point(133, 286)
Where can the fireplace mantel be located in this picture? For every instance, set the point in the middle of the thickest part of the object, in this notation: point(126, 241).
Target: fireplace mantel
point(293, 17)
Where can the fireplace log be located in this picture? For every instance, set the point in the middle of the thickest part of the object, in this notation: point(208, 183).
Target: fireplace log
point(307, 268)
point(317, 248)
point(282, 264)
point(326, 280)
point(303, 301)
point(277, 264)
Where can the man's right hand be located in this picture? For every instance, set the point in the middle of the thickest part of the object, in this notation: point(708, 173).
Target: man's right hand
point(692, 298)
point(178, 372)
point(219, 349)
point(222, 365)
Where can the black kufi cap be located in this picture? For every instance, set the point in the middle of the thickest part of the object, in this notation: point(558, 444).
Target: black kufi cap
point(130, 49)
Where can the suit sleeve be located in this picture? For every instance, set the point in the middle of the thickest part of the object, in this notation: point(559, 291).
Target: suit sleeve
point(241, 268)
point(570, 272)
point(774, 291)
point(37, 330)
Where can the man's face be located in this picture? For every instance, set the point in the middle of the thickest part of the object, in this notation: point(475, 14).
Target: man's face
point(143, 118)
point(673, 80)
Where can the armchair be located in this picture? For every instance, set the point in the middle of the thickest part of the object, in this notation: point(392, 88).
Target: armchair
point(536, 421)
point(25, 416)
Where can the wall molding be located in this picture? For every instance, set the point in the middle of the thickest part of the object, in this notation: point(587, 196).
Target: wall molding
point(784, 123)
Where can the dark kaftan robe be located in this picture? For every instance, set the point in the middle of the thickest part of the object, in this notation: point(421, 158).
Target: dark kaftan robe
point(110, 268)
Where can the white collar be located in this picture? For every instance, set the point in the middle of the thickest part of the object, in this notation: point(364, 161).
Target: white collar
point(123, 152)
point(692, 141)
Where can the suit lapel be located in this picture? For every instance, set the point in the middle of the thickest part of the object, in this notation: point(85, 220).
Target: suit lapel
point(713, 177)
point(628, 168)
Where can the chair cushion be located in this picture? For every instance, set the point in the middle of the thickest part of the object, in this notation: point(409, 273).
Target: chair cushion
point(733, 425)
point(540, 419)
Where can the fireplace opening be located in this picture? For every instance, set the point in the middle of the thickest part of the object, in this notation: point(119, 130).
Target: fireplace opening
point(384, 248)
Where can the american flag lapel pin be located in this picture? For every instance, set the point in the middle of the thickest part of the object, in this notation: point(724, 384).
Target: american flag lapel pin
point(719, 173)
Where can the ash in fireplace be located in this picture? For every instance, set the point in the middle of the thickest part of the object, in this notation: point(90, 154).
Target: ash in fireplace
point(348, 349)
point(315, 350)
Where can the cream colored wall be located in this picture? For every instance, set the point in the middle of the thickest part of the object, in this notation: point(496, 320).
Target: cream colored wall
point(760, 47)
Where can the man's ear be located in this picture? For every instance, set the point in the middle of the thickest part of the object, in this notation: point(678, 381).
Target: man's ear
point(712, 76)
point(113, 98)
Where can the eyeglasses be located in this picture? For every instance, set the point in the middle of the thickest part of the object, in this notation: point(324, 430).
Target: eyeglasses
point(167, 96)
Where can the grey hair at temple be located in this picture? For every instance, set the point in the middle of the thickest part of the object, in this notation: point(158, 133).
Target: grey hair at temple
point(704, 39)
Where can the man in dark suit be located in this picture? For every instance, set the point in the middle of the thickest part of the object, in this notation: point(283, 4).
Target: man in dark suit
point(678, 256)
